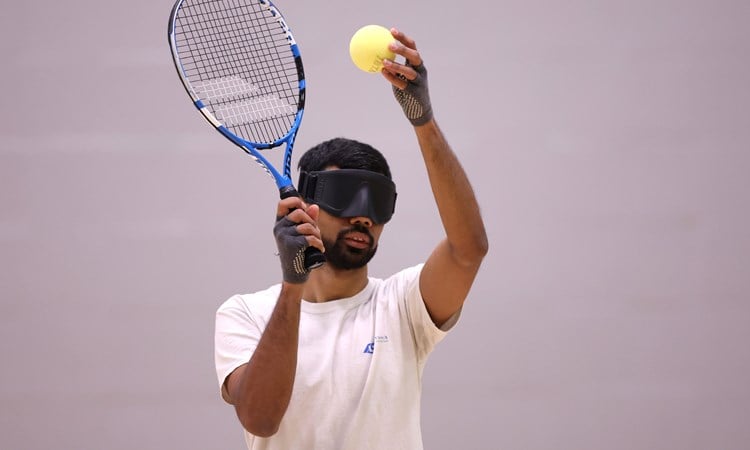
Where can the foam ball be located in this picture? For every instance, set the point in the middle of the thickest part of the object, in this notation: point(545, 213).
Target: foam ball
point(369, 47)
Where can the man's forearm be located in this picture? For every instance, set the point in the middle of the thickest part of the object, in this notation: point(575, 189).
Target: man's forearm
point(265, 385)
point(456, 202)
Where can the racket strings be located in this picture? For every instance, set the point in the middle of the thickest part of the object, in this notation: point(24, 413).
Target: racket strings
point(240, 65)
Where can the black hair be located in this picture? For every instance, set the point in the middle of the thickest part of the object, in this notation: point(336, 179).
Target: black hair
point(345, 154)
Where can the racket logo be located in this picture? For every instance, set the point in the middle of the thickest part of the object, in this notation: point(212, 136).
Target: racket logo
point(254, 110)
point(223, 88)
point(254, 107)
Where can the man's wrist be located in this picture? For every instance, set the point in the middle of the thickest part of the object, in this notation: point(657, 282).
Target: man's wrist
point(291, 291)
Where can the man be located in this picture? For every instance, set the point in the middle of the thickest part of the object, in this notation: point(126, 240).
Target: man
point(330, 358)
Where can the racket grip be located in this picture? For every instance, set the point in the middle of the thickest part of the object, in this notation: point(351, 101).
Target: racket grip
point(314, 258)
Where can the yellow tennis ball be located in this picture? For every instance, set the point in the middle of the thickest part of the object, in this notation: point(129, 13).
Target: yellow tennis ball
point(369, 47)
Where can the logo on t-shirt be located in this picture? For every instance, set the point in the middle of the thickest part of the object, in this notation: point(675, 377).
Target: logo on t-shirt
point(370, 348)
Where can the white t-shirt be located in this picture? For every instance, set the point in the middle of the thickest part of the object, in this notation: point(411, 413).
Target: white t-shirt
point(359, 365)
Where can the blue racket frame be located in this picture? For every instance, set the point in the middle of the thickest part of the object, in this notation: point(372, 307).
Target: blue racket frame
point(282, 179)
point(313, 257)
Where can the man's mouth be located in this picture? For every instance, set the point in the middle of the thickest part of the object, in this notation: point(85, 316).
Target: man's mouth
point(357, 240)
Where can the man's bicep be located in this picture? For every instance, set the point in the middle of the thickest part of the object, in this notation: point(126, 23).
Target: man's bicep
point(445, 283)
point(236, 337)
point(230, 388)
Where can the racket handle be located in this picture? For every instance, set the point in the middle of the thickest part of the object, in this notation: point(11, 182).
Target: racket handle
point(314, 258)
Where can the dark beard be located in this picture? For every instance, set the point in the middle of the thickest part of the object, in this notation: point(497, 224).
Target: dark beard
point(343, 257)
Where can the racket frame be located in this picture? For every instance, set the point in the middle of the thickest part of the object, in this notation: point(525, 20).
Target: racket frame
point(283, 179)
point(313, 257)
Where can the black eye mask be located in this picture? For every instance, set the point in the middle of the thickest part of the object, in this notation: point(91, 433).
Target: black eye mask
point(350, 193)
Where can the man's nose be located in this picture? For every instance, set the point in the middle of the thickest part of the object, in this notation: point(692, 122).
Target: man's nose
point(361, 220)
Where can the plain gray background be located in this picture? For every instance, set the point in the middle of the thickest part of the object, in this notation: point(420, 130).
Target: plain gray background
point(608, 144)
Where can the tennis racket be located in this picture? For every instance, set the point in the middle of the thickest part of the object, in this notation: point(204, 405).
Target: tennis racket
point(241, 66)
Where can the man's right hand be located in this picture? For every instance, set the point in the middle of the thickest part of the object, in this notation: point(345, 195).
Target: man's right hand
point(296, 229)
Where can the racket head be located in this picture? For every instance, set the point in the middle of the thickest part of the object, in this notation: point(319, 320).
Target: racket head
point(242, 68)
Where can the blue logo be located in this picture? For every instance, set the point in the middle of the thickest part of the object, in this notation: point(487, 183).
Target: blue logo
point(370, 348)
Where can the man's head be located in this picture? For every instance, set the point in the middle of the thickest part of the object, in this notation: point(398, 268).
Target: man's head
point(351, 182)
point(344, 154)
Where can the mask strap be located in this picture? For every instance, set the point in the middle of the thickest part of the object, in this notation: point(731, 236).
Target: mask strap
point(306, 185)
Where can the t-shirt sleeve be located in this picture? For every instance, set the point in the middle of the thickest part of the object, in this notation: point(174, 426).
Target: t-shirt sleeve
point(235, 339)
point(426, 333)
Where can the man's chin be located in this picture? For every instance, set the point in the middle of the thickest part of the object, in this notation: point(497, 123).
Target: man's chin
point(346, 257)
